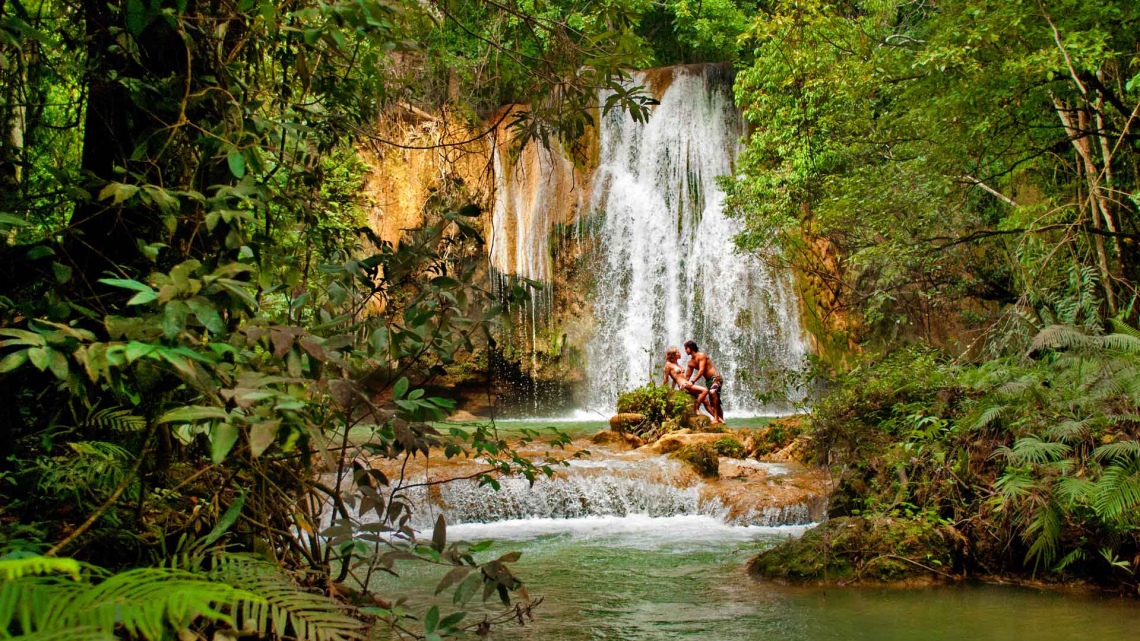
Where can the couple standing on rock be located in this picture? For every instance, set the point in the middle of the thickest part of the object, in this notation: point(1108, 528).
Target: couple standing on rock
point(700, 364)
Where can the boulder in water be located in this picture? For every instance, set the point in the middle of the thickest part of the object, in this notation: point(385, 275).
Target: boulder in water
point(626, 422)
point(677, 440)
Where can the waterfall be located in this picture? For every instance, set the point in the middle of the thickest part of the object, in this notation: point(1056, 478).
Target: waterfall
point(665, 267)
point(668, 270)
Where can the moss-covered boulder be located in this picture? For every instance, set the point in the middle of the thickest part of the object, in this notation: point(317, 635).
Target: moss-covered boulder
point(852, 549)
point(702, 457)
point(729, 447)
point(777, 435)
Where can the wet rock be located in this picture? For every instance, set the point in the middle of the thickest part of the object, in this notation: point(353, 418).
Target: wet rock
point(676, 440)
point(626, 422)
point(617, 439)
point(696, 422)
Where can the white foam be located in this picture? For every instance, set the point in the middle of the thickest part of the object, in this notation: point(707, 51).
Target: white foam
point(639, 530)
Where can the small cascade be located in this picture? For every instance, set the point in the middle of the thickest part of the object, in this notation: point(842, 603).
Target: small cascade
point(668, 269)
point(652, 488)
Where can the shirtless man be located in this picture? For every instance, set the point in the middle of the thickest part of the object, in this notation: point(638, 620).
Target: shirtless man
point(700, 363)
point(674, 376)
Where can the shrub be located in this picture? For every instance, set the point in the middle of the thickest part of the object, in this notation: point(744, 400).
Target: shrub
point(702, 457)
point(657, 403)
point(729, 447)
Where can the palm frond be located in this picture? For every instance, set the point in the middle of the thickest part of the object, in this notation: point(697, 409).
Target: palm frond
point(1069, 431)
point(1033, 450)
point(1116, 451)
point(1075, 491)
point(1117, 490)
point(1045, 531)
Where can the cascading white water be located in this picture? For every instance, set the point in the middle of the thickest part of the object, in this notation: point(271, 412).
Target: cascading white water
point(668, 268)
point(640, 490)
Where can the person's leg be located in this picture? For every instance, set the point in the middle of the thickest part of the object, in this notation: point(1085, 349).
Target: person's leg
point(700, 394)
point(714, 400)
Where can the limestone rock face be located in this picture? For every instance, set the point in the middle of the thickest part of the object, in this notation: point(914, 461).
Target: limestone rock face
point(626, 422)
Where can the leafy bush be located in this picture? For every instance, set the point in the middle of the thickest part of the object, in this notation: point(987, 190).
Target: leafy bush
point(657, 403)
point(702, 457)
point(1036, 457)
point(729, 447)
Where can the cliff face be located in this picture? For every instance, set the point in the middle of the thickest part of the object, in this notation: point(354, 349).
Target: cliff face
point(532, 201)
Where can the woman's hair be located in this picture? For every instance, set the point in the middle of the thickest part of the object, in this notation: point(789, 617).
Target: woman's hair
point(671, 352)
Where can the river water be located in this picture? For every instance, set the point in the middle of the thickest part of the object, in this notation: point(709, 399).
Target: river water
point(618, 552)
point(665, 578)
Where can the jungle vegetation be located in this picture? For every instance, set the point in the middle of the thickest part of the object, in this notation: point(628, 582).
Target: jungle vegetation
point(199, 335)
point(957, 184)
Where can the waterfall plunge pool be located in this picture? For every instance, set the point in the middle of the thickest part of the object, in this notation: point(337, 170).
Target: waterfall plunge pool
point(663, 578)
point(630, 575)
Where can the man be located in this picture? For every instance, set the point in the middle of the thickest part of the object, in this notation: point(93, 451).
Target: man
point(702, 365)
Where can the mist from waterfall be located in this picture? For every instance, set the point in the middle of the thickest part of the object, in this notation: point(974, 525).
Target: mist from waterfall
point(668, 269)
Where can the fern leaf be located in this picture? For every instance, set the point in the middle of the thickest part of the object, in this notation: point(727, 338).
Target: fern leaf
point(117, 420)
point(991, 416)
point(1120, 327)
point(285, 608)
point(12, 569)
point(1061, 337)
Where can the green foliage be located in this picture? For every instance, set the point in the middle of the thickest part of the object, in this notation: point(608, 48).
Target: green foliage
point(938, 151)
point(704, 458)
point(1035, 457)
point(657, 403)
point(200, 337)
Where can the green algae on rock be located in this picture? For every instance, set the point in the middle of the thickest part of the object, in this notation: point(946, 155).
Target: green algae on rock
point(853, 549)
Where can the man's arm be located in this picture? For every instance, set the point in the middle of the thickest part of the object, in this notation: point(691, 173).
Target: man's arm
point(700, 368)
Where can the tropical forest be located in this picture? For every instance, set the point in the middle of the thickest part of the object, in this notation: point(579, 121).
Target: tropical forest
point(731, 320)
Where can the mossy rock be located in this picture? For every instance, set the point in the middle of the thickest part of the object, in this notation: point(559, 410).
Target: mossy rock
point(777, 435)
point(729, 447)
point(702, 457)
point(875, 549)
point(627, 422)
